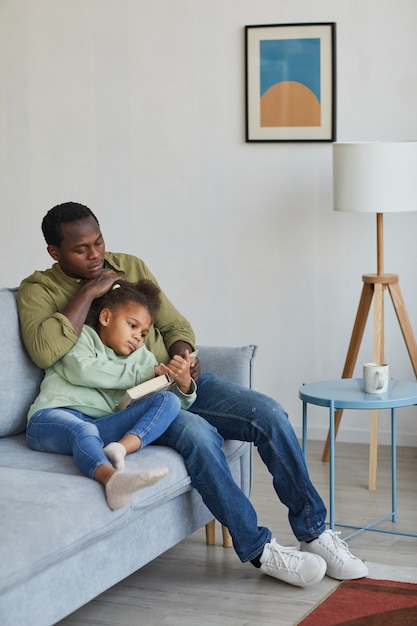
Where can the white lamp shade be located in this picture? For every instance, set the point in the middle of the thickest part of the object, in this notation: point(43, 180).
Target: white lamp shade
point(375, 177)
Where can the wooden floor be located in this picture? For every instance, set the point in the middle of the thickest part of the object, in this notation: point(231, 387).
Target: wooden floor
point(196, 585)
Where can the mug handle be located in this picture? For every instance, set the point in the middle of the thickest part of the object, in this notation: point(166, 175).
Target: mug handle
point(379, 381)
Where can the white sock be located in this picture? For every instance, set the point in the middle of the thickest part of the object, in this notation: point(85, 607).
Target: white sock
point(116, 453)
point(122, 485)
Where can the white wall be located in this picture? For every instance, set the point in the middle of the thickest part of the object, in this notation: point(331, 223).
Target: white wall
point(136, 108)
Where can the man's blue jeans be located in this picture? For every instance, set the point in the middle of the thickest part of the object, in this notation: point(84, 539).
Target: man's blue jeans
point(235, 412)
point(66, 431)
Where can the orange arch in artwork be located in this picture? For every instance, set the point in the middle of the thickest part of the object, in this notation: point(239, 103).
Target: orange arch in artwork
point(289, 103)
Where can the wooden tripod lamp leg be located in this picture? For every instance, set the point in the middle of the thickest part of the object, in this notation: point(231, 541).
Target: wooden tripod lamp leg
point(352, 354)
point(378, 356)
point(404, 321)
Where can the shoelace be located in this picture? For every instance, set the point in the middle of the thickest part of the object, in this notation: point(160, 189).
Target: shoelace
point(286, 559)
point(338, 543)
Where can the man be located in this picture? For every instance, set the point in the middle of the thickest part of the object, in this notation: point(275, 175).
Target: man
point(53, 305)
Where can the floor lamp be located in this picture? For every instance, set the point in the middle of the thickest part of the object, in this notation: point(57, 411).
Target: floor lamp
point(375, 177)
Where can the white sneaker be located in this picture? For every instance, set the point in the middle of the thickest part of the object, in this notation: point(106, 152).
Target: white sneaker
point(341, 564)
point(288, 564)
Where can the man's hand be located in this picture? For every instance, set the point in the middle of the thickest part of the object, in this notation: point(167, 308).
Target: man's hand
point(77, 308)
point(99, 286)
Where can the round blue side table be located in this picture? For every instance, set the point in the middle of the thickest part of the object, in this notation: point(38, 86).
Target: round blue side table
point(348, 393)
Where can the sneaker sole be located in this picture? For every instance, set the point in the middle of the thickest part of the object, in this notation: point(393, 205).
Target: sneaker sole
point(352, 576)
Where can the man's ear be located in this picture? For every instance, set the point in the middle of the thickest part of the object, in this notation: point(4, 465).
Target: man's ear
point(104, 317)
point(54, 252)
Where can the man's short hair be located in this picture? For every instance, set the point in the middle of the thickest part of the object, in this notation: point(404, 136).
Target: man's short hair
point(60, 214)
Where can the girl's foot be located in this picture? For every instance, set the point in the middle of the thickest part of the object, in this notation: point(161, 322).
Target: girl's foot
point(116, 453)
point(122, 486)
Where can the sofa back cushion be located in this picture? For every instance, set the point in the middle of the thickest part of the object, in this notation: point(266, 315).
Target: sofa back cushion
point(232, 363)
point(19, 377)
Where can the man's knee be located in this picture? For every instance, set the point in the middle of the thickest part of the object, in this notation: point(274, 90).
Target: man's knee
point(190, 432)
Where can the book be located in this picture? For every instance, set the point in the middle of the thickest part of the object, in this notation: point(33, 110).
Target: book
point(153, 385)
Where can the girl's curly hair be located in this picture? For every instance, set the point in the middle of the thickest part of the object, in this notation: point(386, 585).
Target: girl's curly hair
point(144, 292)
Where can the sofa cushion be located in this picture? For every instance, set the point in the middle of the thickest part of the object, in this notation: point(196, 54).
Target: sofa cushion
point(35, 504)
point(234, 364)
point(20, 377)
point(35, 501)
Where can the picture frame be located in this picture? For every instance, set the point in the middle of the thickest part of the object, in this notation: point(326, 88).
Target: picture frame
point(291, 82)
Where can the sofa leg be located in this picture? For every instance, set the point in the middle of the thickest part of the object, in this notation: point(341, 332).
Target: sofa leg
point(227, 538)
point(211, 535)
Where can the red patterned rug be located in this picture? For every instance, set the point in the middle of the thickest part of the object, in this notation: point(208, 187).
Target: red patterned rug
point(367, 602)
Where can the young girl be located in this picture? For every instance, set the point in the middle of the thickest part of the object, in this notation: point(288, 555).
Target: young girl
point(76, 409)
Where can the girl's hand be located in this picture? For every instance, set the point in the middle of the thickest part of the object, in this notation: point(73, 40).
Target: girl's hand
point(159, 370)
point(180, 347)
point(179, 370)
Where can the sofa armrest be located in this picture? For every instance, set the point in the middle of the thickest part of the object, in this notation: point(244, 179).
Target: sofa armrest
point(232, 363)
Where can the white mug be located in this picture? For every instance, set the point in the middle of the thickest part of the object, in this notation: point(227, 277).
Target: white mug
point(375, 377)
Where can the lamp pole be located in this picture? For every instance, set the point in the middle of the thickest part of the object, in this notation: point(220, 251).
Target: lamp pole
point(380, 243)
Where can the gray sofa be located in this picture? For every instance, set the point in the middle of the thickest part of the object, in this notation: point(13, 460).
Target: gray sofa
point(60, 544)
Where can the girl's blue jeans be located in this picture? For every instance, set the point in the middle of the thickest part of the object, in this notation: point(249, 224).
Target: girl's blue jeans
point(66, 431)
point(229, 411)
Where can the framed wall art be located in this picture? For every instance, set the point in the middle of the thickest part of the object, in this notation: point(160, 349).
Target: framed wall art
point(290, 82)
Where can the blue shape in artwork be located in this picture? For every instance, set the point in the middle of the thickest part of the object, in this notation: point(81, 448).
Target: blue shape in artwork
point(290, 59)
